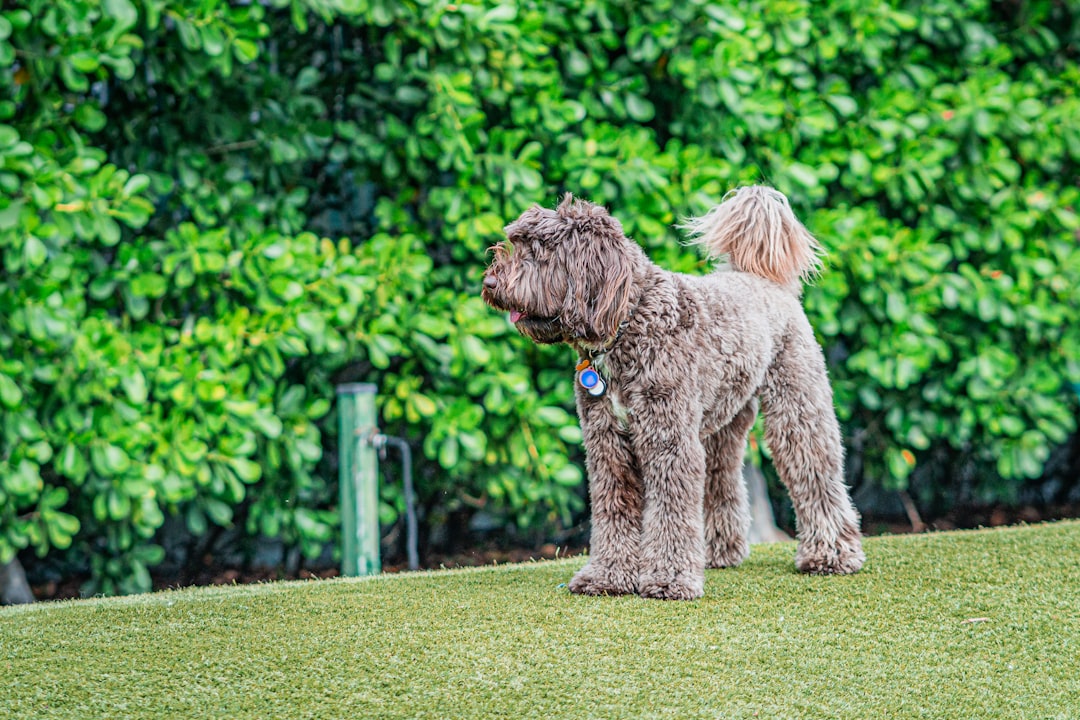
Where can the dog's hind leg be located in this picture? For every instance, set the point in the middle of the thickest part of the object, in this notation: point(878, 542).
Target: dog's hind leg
point(727, 508)
point(615, 494)
point(803, 434)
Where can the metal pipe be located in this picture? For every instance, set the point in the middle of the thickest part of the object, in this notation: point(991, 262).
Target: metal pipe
point(380, 442)
point(360, 445)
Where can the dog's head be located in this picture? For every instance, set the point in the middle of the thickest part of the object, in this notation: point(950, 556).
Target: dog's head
point(564, 275)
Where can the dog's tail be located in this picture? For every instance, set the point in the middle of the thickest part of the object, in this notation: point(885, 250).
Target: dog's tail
point(756, 229)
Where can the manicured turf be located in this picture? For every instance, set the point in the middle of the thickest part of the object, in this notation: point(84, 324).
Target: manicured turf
point(954, 625)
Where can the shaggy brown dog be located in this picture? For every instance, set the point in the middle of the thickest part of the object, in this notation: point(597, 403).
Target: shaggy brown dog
point(671, 370)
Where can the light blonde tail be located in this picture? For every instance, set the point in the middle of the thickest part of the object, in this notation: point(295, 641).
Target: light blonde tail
point(756, 229)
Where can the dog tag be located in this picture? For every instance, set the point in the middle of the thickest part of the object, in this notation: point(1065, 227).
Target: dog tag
point(591, 381)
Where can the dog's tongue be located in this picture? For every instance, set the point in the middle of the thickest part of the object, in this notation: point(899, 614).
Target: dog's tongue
point(516, 315)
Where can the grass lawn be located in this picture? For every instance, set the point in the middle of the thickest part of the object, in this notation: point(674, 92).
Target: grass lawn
point(982, 624)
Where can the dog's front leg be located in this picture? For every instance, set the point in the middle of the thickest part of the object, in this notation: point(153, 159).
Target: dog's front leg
point(667, 443)
point(616, 496)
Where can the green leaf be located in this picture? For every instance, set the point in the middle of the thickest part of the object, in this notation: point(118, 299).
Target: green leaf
point(34, 252)
point(213, 41)
point(245, 50)
point(570, 434)
point(123, 14)
point(195, 520)
point(72, 464)
point(267, 423)
point(896, 307)
point(577, 62)
point(119, 505)
point(448, 453)
point(220, 513)
point(843, 104)
point(24, 480)
point(134, 384)
point(803, 174)
point(430, 325)
point(9, 136)
point(246, 470)
point(53, 498)
point(424, 405)
point(73, 79)
point(136, 184)
point(553, 416)
point(137, 579)
point(409, 95)
point(10, 215)
point(900, 463)
point(475, 350)
point(107, 229)
point(568, 475)
point(149, 285)
point(313, 324)
point(109, 460)
point(241, 408)
point(66, 524)
point(60, 528)
point(639, 108)
point(189, 34)
point(10, 394)
point(503, 13)
point(318, 408)
point(287, 289)
point(88, 116)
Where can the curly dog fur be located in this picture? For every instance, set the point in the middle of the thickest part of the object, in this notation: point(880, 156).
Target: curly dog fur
point(685, 361)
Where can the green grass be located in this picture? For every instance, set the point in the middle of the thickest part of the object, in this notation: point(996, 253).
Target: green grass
point(968, 625)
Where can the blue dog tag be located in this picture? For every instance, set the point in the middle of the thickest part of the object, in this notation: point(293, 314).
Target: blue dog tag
point(592, 382)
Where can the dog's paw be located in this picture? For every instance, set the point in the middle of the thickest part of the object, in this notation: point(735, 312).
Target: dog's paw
point(665, 587)
point(842, 557)
point(726, 555)
point(593, 580)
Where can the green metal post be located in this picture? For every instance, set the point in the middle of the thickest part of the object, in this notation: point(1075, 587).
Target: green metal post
point(358, 479)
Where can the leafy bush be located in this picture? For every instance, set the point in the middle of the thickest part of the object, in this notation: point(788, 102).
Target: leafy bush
point(933, 147)
point(174, 364)
point(172, 319)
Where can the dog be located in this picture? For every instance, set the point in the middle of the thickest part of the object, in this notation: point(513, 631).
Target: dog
point(671, 369)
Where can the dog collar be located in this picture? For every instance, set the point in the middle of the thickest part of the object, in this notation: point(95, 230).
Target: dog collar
point(587, 375)
point(594, 353)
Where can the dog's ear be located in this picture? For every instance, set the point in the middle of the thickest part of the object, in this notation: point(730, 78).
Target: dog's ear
point(600, 274)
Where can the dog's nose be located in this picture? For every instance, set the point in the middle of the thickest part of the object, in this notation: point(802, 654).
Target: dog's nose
point(490, 282)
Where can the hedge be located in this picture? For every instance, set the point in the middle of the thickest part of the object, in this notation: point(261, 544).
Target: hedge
point(212, 213)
